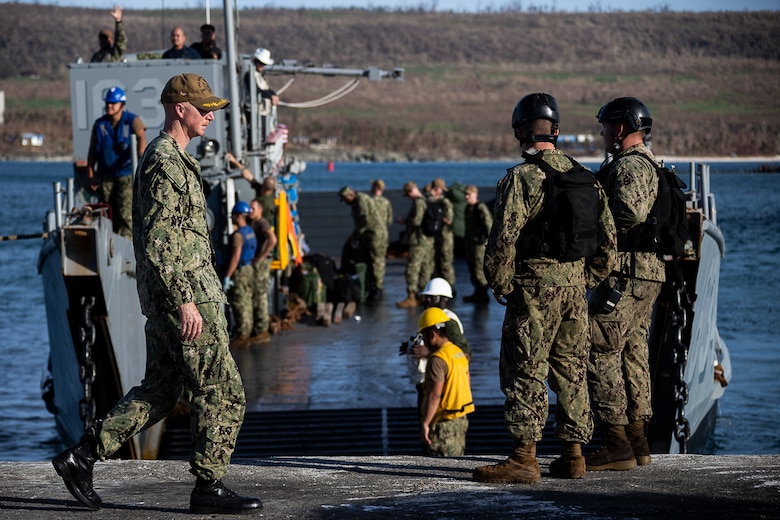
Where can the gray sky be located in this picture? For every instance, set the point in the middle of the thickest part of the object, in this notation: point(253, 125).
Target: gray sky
point(446, 5)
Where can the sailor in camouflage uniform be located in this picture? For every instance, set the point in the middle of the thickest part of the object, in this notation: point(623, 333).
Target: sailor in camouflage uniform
point(444, 250)
point(419, 266)
point(368, 236)
point(239, 281)
point(112, 45)
point(385, 210)
point(619, 370)
point(186, 330)
point(545, 330)
point(478, 221)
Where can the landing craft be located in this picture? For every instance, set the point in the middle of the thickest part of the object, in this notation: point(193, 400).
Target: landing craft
point(97, 345)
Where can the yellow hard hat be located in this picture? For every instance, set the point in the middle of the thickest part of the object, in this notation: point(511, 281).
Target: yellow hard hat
point(430, 317)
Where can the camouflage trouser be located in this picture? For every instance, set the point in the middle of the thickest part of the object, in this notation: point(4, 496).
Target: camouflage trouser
point(372, 249)
point(618, 368)
point(545, 337)
point(260, 296)
point(118, 193)
point(378, 250)
point(240, 298)
point(448, 438)
point(419, 267)
point(444, 257)
point(475, 258)
point(205, 371)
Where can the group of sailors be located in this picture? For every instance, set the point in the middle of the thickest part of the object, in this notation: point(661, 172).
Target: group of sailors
point(630, 182)
point(436, 215)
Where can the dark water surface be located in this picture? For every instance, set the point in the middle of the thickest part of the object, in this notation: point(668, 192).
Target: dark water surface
point(748, 213)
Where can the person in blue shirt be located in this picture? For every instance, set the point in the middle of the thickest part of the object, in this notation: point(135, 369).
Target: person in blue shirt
point(239, 278)
point(109, 160)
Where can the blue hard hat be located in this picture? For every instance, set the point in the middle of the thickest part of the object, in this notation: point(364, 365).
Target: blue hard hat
point(240, 208)
point(115, 95)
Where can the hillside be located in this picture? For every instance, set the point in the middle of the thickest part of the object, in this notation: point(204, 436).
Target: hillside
point(712, 80)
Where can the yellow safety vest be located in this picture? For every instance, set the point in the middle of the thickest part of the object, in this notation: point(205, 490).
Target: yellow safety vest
point(456, 399)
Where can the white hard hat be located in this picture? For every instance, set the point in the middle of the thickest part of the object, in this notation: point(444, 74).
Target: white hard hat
point(263, 56)
point(438, 287)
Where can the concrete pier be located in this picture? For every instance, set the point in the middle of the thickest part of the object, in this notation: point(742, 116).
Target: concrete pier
point(673, 486)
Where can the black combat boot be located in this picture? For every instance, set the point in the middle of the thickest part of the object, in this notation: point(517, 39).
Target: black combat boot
point(376, 295)
point(75, 465)
point(212, 497)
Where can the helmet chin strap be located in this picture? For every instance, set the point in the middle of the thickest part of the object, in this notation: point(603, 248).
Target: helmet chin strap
point(539, 138)
point(543, 138)
point(617, 142)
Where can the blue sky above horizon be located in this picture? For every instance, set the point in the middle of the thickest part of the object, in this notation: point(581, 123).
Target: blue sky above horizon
point(441, 5)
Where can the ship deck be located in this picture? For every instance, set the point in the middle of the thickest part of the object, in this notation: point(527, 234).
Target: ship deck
point(694, 487)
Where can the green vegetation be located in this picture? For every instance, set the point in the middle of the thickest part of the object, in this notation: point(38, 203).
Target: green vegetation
point(712, 80)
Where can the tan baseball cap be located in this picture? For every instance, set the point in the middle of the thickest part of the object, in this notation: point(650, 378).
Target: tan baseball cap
point(439, 183)
point(470, 189)
point(189, 87)
point(408, 187)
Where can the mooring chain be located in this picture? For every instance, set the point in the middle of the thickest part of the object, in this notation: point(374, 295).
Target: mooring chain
point(87, 333)
point(679, 320)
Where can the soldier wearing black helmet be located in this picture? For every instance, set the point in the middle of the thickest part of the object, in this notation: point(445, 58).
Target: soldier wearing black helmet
point(618, 370)
point(545, 330)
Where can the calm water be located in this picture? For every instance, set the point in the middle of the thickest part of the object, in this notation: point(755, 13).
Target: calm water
point(748, 212)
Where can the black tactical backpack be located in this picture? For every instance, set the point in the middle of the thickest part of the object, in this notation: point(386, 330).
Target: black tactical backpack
point(666, 229)
point(433, 220)
point(568, 227)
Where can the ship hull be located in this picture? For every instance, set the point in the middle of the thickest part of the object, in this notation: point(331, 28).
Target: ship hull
point(96, 339)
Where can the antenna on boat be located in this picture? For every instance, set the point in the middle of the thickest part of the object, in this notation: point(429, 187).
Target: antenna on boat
point(233, 66)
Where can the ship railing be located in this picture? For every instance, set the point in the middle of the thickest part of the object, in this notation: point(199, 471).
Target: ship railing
point(62, 199)
point(699, 195)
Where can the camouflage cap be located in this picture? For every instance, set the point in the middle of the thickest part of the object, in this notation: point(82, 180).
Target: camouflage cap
point(343, 192)
point(470, 189)
point(439, 183)
point(408, 187)
point(189, 87)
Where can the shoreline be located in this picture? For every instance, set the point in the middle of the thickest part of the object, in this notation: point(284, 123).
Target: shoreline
point(393, 157)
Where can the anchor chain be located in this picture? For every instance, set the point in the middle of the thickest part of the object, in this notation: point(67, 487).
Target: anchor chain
point(87, 372)
point(679, 320)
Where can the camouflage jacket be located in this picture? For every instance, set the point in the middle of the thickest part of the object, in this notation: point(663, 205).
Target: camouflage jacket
point(173, 250)
point(117, 51)
point(414, 235)
point(631, 184)
point(478, 220)
point(365, 215)
point(520, 197)
point(385, 209)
